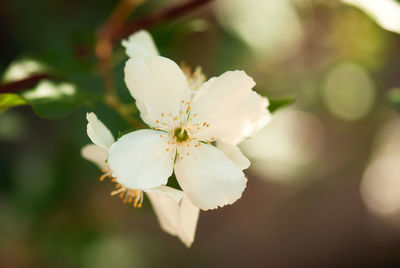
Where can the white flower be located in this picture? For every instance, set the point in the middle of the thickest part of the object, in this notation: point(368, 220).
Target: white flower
point(176, 214)
point(224, 109)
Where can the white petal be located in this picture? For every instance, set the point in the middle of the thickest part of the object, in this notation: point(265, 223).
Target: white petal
point(177, 217)
point(140, 44)
point(234, 154)
point(230, 107)
point(209, 178)
point(142, 159)
point(96, 154)
point(98, 132)
point(158, 85)
point(173, 193)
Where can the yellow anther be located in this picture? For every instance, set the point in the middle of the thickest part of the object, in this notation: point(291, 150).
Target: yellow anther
point(162, 114)
point(175, 118)
point(157, 121)
point(103, 176)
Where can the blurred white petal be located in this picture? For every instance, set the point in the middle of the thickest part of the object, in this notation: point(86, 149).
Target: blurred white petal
point(385, 12)
point(271, 27)
point(175, 213)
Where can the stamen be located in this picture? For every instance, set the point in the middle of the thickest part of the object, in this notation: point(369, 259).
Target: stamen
point(103, 176)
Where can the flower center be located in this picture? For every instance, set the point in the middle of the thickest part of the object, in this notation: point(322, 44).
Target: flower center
point(181, 134)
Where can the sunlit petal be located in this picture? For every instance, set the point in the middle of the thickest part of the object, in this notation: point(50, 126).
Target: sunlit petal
point(234, 154)
point(142, 159)
point(229, 107)
point(98, 132)
point(209, 177)
point(158, 85)
point(95, 154)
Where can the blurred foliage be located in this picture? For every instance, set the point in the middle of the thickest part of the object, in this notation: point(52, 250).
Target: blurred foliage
point(275, 105)
point(8, 100)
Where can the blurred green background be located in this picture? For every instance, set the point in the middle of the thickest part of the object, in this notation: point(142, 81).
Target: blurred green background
point(324, 185)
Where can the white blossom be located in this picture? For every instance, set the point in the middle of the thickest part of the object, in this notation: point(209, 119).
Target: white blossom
point(183, 125)
point(175, 213)
point(224, 109)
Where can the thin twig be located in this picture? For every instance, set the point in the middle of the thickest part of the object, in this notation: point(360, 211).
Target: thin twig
point(103, 52)
point(25, 83)
point(157, 18)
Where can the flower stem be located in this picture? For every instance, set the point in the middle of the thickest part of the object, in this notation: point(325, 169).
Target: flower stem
point(157, 18)
point(103, 52)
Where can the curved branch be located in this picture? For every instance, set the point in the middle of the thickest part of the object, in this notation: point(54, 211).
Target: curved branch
point(25, 83)
point(156, 18)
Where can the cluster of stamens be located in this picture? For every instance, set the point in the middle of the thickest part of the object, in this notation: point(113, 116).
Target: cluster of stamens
point(195, 78)
point(127, 195)
point(181, 129)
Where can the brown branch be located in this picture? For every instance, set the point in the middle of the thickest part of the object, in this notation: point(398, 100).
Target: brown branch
point(103, 51)
point(25, 83)
point(157, 18)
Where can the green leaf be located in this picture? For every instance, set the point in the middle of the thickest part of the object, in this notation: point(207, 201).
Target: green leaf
point(54, 100)
point(275, 105)
point(8, 100)
point(394, 98)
